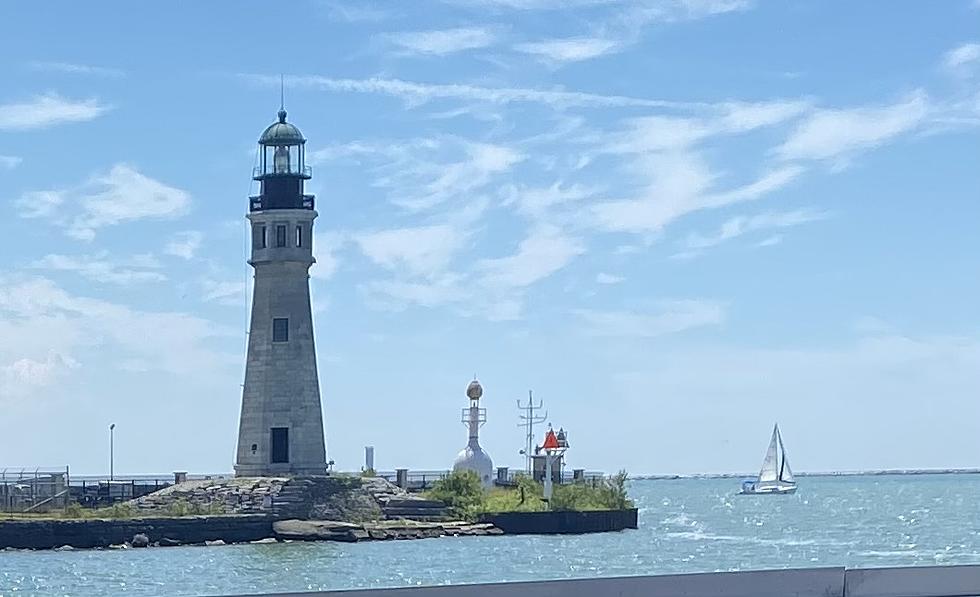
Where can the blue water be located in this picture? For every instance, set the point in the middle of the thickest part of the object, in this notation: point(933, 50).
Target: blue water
point(685, 526)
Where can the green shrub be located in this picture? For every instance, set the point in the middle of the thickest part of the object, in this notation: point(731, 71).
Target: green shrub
point(368, 473)
point(461, 491)
point(115, 511)
point(74, 510)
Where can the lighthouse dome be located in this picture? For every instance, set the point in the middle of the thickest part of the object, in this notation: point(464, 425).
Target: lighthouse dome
point(474, 391)
point(473, 458)
point(281, 133)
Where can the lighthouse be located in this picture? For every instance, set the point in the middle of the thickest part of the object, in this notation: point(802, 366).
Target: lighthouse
point(281, 426)
point(472, 457)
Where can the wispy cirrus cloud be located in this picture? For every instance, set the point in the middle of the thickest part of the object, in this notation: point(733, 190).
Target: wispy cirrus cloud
point(230, 293)
point(667, 317)
point(360, 12)
point(440, 42)
point(827, 134)
point(740, 225)
point(962, 59)
point(415, 93)
point(624, 28)
point(100, 267)
point(38, 317)
point(680, 184)
point(562, 51)
point(121, 195)
point(48, 110)
point(419, 250)
point(424, 173)
point(76, 69)
point(544, 251)
point(184, 244)
point(529, 4)
point(608, 279)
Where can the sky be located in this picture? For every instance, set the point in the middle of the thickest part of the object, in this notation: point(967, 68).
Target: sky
point(676, 221)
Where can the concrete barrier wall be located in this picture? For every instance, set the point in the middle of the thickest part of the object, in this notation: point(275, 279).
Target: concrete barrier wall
point(48, 534)
point(940, 581)
point(925, 581)
point(557, 522)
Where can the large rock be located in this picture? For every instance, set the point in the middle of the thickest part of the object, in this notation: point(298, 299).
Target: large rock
point(312, 530)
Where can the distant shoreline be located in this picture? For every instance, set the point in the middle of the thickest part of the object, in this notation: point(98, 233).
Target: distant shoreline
point(870, 473)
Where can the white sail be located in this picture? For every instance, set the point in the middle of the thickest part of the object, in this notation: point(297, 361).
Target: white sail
point(785, 472)
point(770, 466)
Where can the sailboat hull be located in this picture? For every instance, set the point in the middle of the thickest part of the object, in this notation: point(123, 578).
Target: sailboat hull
point(768, 491)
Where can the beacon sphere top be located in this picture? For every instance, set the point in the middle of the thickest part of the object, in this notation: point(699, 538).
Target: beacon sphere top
point(281, 133)
point(474, 391)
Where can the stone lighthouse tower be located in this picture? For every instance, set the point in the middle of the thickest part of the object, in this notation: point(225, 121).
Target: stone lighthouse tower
point(281, 426)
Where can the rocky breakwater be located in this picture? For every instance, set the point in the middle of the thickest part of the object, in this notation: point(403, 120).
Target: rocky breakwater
point(338, 497)
point(324, 530)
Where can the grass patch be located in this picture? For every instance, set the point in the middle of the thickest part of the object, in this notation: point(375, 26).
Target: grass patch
point(466, 498)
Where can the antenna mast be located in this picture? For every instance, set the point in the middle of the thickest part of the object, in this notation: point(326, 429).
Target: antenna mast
point(528, 420)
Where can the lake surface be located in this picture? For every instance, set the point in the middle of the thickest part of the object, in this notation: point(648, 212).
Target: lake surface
point(691, 525)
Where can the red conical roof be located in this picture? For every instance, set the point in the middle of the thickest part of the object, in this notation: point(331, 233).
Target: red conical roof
point(550, 441)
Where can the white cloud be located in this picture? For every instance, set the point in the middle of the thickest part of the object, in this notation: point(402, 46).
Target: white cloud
point(224, 292)
point(184, 244)
point(77, 69)
point(544, 251)
point(604, 278)
point(25, 375)
point(426, 173)
point(737, 226)
point(956, 59)
point(530, 4)
point(9, 162)
point(672, 133)
point(421, 250)
point(770, 241)
point(48, 110)
point(623, 28)
point(100, 268)
point(560, 51)
point(396, 294)
point(483, 161)
point(47, 330)
point(419, 93)
point(325, 248)
point(678, 184)
point(119, 196)
point(670, 317)
point(832, 133)
point(356, 13)
point(39, 204)
point(444, 41)
point(538, 201)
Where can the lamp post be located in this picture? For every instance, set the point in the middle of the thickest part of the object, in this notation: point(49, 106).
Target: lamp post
point(112, 428)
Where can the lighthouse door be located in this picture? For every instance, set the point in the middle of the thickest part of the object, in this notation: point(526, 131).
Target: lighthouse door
point(280, 444)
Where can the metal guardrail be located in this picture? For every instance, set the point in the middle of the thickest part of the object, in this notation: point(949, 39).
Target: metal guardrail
point(936, 581)
point(305, 171)
point(422, 480)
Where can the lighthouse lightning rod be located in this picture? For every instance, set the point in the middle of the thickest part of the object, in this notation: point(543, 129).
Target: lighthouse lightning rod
point(528, 421)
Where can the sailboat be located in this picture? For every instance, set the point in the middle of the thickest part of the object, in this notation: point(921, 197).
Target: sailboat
point(776, 477)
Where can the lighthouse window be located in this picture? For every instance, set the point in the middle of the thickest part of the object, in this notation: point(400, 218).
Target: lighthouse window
point(280, 329)
point(258, 237)
point(299, 236)
point(281, 235)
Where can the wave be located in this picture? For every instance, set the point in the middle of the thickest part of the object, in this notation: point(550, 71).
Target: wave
point(701, 536)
